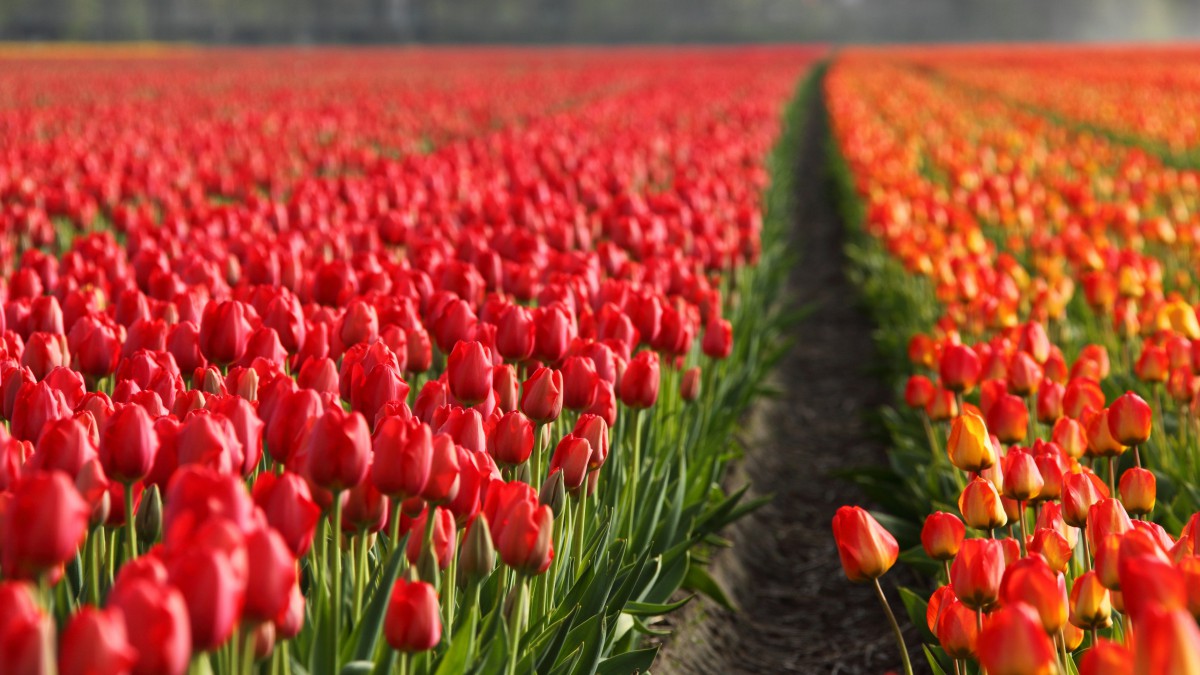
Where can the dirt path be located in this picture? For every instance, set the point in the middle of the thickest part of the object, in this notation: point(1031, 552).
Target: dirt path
point(799, 613)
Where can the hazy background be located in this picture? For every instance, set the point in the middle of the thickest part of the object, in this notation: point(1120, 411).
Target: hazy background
point(551, 21)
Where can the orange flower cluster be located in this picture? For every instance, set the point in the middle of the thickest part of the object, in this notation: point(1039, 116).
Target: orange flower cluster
point(1057, 382)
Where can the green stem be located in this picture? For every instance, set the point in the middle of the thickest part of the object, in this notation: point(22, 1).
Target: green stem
point(130, 526)
point(337, 565)
point(360, 574)
point(895, 628)
point(580, 529)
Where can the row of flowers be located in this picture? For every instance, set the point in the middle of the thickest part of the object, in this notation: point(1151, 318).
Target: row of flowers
point(1042, 322)
point(382, 369)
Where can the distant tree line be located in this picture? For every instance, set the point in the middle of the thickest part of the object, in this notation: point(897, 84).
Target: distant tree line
point(551, 21)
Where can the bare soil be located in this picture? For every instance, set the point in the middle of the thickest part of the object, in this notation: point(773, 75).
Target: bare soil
point(798, 613)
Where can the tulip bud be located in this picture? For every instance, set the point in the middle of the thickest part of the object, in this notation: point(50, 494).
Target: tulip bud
point(866, 549)
point(1013, 643)
point(718, 338)
point(402, 458)
point(553, 493)
point(571, 457)
point(1106, 517)
point(1137, 488)
point(942, 535)
point(443, 541)
point(1069, 435)
point(224, 331)
point(149, 515)
point(511, 439)
point(156, 623)
point(477, 557)
point(977, 571)
point(970, 449)
point(413, 621)
point(980, 505)
point(337, 451)
point(1150, 582)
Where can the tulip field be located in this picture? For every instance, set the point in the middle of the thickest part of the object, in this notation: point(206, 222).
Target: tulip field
point(437, 361)
point(377, 361)
point(1025, 225)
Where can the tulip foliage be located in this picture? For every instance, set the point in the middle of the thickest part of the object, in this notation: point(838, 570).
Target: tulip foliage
point(1030, 243)
point(350, 361)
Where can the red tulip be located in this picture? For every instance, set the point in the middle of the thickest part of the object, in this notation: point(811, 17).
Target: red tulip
point(95, 642)
point(918, 391)
point(337, 450)
point(1168, 641)
point(156, 623)
point(444, 479)
point(1031, 581)
point(224, 331)
point(289, 507)
point(1138, 490)
point(402, 459)
point(718, 339)
point(541, 396)
point(571, 456)
point(413, 622)
point(1107, 658)
point(510, 441)
point(957, 629)
point(443, 537)
point(43, 525)
point(638, 388)
point(26, 633)
point(689, 386)
point(959, 368)
point(469, 372)
point(272, 575)
point(521, 528)
point(128, 444)
point(94, 347)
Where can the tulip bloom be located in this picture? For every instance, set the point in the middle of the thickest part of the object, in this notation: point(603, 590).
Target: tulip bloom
point(521, 528)
point(156, 623)
point(43, 524)
point(1031, 581)
point(95, 642)
point(571, 456)
point(443, 534)
point(981, 506)
point(413, 621)
point(942, 535)
point(867, 551)
point(337, 451)
point(959, 368)
point(1008, 418)
point(224, 331)
point(957, 629)
point(1107, 658)
point(1080, 491)
point(1138, 490)
point(1168, 641)
point(1013, 643)
point(718, 338)
point(638, 388)
point(918, 392)
point(402, 458)
point(469, 372)
point(287, 502)
point(1129, 419)
point(970, 449)
point(977, 571)
point(541, 395)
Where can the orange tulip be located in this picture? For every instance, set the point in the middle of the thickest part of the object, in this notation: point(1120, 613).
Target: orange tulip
point(980, 505)
point(957, 630)
point(1091, 603)
point(1129, 419)
point(1168, 641)
point(1022, 479)
point(970, 449)
point(1013, 643)
point(1080, 491)
point(1053, 547)
point(1008, 418)
point(1031, 581)
point(866, 549)
point(1069, 435)
point(1101, 442)
point(942, 535)
point(1150, 583)
point(977, 571)
point(1138, 489)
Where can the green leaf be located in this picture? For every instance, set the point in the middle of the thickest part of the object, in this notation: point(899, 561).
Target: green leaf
point(592, 650)
point(935, 663)
point(371, 625)
point(462, 649)
point(577, 637)
point(358, 668)
point(638, 661)
point(916, 606)
point(698, 579)
point(653, 608)
point(323, 654)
